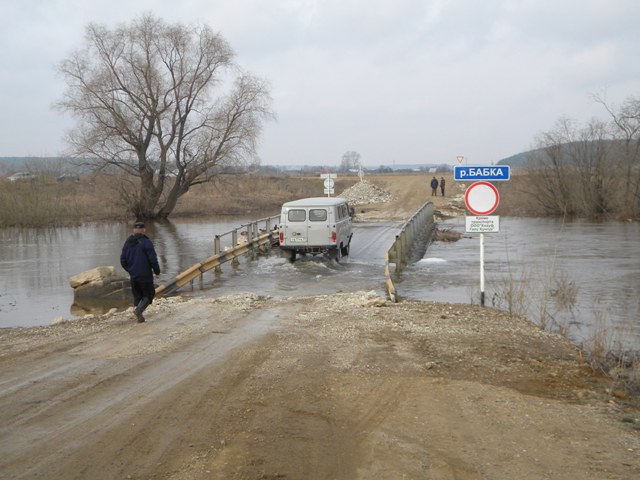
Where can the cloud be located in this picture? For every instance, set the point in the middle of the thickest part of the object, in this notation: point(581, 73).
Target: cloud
point(409, 81)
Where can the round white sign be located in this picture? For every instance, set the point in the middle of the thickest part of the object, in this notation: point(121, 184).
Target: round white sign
point(329, 183)
point(481, 198)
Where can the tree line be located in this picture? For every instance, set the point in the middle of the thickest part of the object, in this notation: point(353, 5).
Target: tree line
point(165, 107)
point(590, 170)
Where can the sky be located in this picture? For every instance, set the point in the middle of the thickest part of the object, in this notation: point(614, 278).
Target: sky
point(398, 81)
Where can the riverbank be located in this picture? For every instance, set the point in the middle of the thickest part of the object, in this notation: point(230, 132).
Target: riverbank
point(343, 386)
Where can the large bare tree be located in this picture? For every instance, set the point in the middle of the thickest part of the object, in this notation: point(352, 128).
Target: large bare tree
point(163, 103)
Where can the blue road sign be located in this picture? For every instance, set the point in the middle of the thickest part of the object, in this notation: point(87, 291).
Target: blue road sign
point(472, 173)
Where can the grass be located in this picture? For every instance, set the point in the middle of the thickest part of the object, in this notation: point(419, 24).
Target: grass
point(511, 294)
point(46, 202)
point(38, 204)
point(603, 351)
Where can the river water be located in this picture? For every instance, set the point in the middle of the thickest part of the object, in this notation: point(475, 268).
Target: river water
point(579, 277)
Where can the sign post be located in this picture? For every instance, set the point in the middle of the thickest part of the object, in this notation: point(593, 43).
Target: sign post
point(329, 183)
point(481, 199)
point(482, 269)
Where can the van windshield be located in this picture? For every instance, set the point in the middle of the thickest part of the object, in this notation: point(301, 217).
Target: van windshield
point(317, 215)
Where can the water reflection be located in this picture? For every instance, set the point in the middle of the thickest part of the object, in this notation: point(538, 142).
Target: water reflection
point(37, 263)
point(121, 300)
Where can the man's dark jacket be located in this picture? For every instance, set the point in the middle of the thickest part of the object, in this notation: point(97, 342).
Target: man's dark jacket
point(139, 258)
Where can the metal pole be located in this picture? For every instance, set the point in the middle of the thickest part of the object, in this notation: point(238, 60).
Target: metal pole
point(482, 269)
point(234, 243)
point(216, 249)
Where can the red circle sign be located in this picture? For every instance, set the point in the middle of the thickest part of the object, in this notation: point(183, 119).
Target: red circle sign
point(481, 198)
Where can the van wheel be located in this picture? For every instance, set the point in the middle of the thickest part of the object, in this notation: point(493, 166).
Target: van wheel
point(345, 251)
point(291, 255)
point(336, 254)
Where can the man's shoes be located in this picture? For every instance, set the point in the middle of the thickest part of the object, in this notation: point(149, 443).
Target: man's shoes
point(139, 316)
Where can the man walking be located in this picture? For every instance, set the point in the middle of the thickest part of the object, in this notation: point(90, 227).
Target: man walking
point(434, 187)
point(139, 259)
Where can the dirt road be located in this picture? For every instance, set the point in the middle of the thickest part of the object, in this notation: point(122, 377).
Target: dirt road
point(346, 386)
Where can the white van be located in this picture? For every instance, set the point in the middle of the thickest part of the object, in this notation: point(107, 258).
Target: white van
point(316, 225)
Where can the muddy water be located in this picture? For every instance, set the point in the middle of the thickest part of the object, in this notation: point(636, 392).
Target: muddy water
point(36, 265)
point(581, 277)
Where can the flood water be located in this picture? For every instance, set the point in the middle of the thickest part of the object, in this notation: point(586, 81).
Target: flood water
point(581, 277)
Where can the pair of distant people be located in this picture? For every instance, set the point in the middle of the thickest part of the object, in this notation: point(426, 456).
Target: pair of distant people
point(435, 184)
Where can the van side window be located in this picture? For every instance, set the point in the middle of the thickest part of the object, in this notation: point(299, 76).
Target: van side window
point(317, 215)
point(297, 215)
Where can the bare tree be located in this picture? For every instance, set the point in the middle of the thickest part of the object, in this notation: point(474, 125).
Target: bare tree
point(150, 101)
point(593, 170)
point(576, 164)
point(350, 161)
point(626, 128)
point(550, 171)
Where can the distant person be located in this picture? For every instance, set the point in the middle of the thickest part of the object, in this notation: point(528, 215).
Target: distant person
point(434, 187)
point(139, 259)
point(442, 185)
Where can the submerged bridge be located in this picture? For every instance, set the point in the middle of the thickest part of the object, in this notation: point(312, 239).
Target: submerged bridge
point(260, 236)
point(253, 237)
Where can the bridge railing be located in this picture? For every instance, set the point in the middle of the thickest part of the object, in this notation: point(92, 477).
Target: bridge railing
point(249, 238)
point(415, 232)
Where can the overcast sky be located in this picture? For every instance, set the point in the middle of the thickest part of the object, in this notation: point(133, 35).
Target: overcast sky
point(398, 81)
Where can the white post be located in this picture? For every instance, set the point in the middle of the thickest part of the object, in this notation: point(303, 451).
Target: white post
point(482, 269)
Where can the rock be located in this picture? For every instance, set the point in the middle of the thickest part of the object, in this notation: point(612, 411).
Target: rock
point(372, 299)
point(374, 302)
point(91, 276)
point(98, 282)
point(621, 394)
point(58, 320)
point(446, 235)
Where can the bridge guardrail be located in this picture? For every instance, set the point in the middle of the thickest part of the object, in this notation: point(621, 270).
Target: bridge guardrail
point(228, 247)
point(399, 253)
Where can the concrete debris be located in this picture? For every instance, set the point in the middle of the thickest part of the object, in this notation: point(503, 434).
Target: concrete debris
point(99, 282)
point(364, 193)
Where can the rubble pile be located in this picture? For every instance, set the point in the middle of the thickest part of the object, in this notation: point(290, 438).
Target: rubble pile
point(364, 193)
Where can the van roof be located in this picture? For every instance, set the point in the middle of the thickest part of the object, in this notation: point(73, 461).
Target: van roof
point(315, 202)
